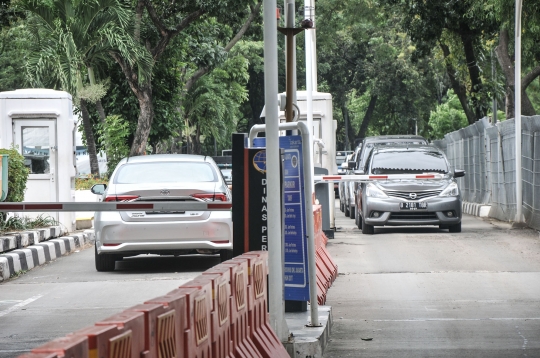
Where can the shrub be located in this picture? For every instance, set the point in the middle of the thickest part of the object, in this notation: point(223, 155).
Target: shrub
point(87, 183)
point(17, 175)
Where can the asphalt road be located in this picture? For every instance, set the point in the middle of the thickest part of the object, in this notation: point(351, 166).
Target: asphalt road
point(423, 292)
point(69, 294)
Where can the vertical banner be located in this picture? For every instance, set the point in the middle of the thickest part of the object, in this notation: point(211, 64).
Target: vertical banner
point(294, 212)
point(256, 234)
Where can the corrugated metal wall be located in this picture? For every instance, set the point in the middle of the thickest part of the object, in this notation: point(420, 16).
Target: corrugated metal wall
point(487, 153)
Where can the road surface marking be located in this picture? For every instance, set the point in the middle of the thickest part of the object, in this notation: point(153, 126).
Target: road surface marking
point(19, 305)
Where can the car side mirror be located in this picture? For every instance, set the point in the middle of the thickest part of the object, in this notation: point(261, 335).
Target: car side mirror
point(359, 172)
point(351, 164)
point(98, 189)
point(459, 173)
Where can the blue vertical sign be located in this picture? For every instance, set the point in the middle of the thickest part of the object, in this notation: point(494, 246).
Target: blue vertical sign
point(295, 241)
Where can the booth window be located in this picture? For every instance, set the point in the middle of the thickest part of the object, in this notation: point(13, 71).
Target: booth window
point(36, 149)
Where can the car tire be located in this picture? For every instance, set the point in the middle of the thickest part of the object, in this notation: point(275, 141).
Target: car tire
point(225, 255)
point(358, 220)
point(367, 229)
point(454, 228)
point(341, 206)
point(347, 212)
point(352, 210)
point(104, 262)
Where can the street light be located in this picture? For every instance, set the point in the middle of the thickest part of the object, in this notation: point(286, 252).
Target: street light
point(517, 111)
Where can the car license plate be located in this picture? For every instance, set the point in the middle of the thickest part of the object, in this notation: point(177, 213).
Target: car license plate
point(421, 205)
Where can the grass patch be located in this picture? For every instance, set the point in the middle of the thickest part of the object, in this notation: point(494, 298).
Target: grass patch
point(17, 223)
point(87, 183)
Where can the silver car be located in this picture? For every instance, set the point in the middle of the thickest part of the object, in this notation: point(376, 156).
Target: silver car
point(164, 177)
point(409, 201)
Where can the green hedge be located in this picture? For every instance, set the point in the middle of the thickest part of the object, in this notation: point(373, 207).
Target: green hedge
point(17, 175)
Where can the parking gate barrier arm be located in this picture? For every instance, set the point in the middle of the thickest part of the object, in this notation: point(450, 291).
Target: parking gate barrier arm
point(116, 206)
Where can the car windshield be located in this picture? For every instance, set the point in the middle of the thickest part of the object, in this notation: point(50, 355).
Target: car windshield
point(165, 172)
point(412, 162)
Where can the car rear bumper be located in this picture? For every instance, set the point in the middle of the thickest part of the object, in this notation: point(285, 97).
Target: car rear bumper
point(391, 215)
point(116, 236)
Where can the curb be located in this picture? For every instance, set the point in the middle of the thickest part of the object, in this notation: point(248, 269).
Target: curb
point(308, 341)
point(40, 253)
point(481, 210)
point(20, 240)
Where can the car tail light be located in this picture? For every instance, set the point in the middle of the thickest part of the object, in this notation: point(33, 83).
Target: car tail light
point(211, 197)
point(121, 197)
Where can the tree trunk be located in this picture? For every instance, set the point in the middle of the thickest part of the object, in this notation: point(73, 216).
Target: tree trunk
point(458, 87)
point(144, 123)
point(474, 72)
point(367, 117)
point(507, 67)
point(90, 141)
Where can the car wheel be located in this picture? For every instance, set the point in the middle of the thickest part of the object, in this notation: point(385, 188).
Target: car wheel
point(347, 212)
point(104, 262)
point(225, 255)
point(367, 229)
point(352, 210)
point(455, 228)
point(358, 220)
point(341, 206)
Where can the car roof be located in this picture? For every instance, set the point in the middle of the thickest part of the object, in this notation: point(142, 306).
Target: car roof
point(386, 138)
point(406, 147)
point(167, 158)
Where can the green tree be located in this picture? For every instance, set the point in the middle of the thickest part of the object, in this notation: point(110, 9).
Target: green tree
point(459, 33)
point(447, 117)
point(73, 40)
point(157, 25)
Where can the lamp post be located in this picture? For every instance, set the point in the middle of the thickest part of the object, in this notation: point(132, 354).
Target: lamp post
point(517, 111)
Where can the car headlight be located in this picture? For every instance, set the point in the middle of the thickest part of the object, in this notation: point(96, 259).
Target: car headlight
point(374, 192)
point(450, 190)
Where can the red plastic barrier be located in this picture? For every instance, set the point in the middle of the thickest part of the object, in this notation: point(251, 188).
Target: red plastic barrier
point(39, 355)
point(263, 336)
point(175, 301)
point(243, 346)
point(99, 338)
point(222, 345)
point(159, 322)
point(130, 340)
point(197, 342)
point(68, 347)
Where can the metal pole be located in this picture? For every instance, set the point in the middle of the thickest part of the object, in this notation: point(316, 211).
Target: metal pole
point(313, 46)
point(289, 20)
point(310, 222)
point(289, 39)
point(517, 116)
point(493, 74)
point(275, 275)
point(309, 88)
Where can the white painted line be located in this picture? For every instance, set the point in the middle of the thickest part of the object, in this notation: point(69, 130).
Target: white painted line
point(19, 305)
point(458, 319)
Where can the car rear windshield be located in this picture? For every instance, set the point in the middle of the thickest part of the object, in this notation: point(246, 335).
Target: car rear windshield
point(412, 162)
point(165, 172)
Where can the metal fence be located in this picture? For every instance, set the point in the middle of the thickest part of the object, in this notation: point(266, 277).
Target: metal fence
point(487, 153)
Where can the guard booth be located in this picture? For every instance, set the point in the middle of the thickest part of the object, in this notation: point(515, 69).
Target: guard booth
point(324, 146)
point(40, 123)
